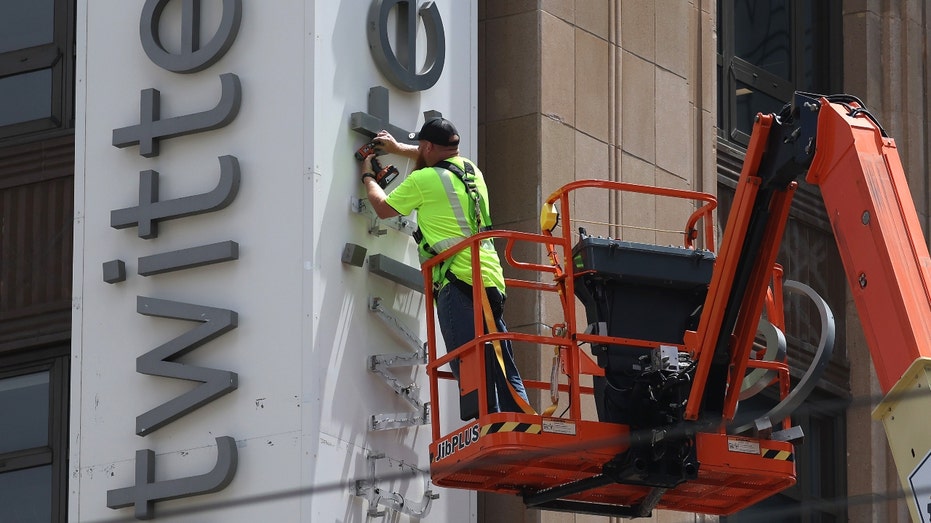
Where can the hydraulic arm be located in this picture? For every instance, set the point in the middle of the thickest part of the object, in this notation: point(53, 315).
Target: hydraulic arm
point(839, 146)
point(887, 264)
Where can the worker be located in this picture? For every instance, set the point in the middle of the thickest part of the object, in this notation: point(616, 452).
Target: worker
point(446, 214)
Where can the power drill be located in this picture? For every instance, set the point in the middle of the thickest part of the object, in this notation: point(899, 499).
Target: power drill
point(383, 175)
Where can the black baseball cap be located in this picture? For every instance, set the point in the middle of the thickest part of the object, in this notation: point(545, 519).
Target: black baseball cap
point(439, 131)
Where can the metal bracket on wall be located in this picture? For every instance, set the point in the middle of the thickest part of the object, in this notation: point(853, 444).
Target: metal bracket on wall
point(399, 223)
point(380, 363)
point(378, 498)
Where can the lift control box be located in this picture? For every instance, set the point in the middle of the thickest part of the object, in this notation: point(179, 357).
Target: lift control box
point(637, 291)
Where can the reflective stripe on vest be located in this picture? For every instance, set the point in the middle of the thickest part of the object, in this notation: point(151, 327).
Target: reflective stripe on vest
point(446, 177)
point(453, 196)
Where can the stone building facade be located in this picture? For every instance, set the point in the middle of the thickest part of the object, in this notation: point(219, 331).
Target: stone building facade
point(633, 91)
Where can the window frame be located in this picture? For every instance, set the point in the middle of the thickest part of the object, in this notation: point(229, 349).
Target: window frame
point(809, 212)
point(58, 56)
point(733, 69)
point(56, 361)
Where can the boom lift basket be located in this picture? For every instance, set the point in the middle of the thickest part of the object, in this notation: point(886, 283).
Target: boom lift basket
point(635, 450)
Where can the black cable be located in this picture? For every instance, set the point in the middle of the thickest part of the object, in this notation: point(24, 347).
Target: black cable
point(858, 111)
point(845, 100)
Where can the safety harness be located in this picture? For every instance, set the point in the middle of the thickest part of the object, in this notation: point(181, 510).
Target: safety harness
point(477, 219)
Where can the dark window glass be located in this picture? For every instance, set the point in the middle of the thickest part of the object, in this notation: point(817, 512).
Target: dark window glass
point(808, 59)
point(26, 97)
point(26, 23)
point(34, 435)
point(26, 495)
point(24, 404)
point(762, 35)
point(36, 67)
point(751, 101)
point(767, 49)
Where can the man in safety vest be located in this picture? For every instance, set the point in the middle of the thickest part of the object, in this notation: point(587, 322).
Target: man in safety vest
point(451, 199)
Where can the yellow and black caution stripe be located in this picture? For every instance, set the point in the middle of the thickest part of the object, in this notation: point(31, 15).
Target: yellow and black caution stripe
point(780, 455)
point(511, 426)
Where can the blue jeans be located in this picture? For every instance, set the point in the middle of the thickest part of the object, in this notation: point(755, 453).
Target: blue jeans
point(454, 311)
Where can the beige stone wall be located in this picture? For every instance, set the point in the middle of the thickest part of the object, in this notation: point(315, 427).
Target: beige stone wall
point(575, 89)
point(625, 90)
point(886, 65)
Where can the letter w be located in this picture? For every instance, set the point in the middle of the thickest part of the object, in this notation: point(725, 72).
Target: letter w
point(160, 361)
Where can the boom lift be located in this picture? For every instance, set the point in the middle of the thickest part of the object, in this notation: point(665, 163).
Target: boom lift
point(668, 345)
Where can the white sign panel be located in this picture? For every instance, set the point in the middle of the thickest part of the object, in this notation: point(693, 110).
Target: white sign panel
point(219, 368)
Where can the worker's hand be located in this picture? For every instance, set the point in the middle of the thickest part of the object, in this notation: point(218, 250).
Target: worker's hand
point(387, 143)
point(367, 165)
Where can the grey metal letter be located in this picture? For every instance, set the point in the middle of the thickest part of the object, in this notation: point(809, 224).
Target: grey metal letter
point(398, 272)
point(146, 492)
point(114, 271)
point(152, 129)
point(150, 210)
point(401, 68)
point(188, 258)
point(371, 123)
point(160, 361)
point(193, 57)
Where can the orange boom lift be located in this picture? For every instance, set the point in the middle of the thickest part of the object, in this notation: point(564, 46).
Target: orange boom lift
point(669, 342)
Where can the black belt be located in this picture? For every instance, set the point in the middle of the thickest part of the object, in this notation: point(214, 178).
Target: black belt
point(466, 288)
point(459, 284)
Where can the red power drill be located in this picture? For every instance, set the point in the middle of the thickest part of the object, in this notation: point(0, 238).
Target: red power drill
point(383, 175)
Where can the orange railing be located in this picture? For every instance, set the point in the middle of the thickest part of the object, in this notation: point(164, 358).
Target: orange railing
point(565, 336)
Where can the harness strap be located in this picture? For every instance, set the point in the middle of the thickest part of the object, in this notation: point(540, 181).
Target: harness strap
point(478, 211)
point(492, 328)
point(465, 226)
point(480, 221)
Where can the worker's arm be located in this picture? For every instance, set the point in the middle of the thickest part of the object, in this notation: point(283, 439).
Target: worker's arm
point(388, 144)
point(374, 192)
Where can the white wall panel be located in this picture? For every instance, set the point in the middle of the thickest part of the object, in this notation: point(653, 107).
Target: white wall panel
point(299, 414)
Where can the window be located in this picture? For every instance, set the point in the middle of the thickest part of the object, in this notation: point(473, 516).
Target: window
point(36, 189)
point(34, 437)
point(767, 50)
point(36, 66)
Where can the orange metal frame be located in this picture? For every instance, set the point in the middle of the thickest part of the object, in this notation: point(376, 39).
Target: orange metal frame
point(517, 453)
point(878, 236)
point(735, 234)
